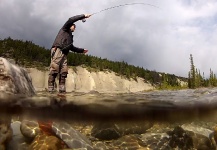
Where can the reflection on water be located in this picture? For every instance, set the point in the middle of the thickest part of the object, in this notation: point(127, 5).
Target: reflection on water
point(151, 120)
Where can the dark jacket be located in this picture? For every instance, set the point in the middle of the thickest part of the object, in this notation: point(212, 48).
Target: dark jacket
point(64, 39)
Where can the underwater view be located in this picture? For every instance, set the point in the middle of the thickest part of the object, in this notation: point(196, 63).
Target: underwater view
point(183, 119)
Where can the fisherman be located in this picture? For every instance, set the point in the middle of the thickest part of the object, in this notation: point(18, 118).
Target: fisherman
point(59, 51)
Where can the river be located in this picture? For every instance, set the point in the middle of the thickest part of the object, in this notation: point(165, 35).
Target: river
point(182, 119)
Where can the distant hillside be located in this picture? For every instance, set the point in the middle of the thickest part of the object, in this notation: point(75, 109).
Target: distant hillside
point(27, 54)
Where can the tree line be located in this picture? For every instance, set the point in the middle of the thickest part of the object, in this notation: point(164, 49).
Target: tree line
point(196, 79)
point(28, 54)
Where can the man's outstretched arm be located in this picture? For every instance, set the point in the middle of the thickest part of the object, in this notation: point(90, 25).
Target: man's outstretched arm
point(74, 19)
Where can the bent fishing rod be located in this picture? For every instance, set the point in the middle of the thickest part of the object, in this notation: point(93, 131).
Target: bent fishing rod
point(122, 5)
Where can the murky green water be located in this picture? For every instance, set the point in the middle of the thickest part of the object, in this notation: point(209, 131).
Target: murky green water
point(184, 119)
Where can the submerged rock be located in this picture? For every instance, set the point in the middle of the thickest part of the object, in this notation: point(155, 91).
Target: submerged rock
point(176, 138)
point(155, 141)
point(71, 137)
point(45, 142)
point(5, 131)
point(129, 142)
point(179, 138)
point(115, 130)
point(105, 131)
point(29, 129)
point(18, 141)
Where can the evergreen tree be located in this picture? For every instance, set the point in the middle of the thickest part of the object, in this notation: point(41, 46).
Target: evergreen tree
point(192, 73)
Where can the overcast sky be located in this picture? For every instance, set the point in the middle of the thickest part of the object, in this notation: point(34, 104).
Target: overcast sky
point(160, 39)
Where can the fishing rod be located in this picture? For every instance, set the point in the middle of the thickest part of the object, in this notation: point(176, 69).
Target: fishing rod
point(122, 5)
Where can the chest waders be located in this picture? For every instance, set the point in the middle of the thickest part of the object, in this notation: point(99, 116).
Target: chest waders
point(53, 75)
